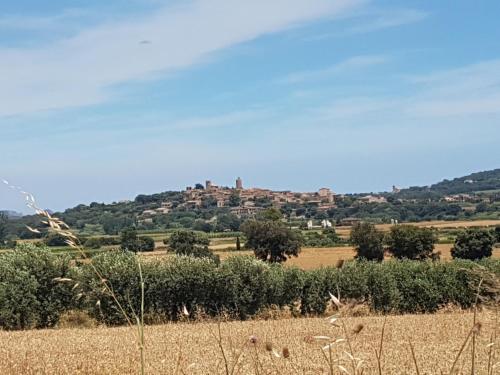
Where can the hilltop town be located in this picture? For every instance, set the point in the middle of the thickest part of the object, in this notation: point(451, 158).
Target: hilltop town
point(243, 201)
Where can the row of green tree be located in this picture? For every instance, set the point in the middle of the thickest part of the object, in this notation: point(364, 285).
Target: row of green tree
point(412, 242)
point(37, 286)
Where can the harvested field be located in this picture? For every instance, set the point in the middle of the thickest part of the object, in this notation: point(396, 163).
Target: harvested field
point(312, 257)
point(193, 348)
point(440, 225)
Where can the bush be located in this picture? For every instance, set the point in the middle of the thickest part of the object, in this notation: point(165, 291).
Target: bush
point(271, 240)
point(146, 244)
point(98, 242)
point(185, 242)
point(182, 281)
point(131, 242)
point(368, 242)
point(496, 233)
point(54, 239)
point(244, 284)
point(120, 269)
point(326, 238)
point(30, 294)
point(412, 242)
point(473, 244)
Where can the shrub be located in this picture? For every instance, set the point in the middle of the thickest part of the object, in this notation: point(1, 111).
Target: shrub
point(412, 242)
point(185, 242)
point(55, 239)
point(315, 296)
point(418, 293)
point(98, 242)
point(131, 242)
point(30, 293)
point(121, 271)
point(496, 233)
point(383, 291)
point(244, 285)
point(146, 244)
point(181, 281)
point(368, 242)
point(271, 240)
point(473, 244)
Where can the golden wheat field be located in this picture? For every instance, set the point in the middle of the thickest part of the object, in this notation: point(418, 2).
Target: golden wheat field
point(185, 348)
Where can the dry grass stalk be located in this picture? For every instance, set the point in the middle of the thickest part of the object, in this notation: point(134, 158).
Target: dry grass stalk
point(60, 227)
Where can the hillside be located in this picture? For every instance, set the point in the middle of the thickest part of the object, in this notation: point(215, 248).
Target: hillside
point(472, 183)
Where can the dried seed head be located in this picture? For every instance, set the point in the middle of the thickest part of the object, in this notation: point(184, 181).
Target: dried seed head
point(253, 339)
point(358, 329)
point(285, 352)
point(269, 346)
point(477, 328)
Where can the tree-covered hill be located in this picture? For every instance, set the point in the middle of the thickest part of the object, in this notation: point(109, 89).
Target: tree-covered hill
point(474, 182)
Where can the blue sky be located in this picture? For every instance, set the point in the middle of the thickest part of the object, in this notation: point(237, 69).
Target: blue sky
point(101, 102)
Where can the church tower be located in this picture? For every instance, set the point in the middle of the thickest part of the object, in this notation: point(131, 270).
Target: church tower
point(239, 184)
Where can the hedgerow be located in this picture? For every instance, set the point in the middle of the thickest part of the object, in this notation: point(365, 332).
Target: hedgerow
point(36, 286)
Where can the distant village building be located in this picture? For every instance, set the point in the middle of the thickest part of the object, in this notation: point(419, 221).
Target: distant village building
point(373, 199)
point(395, 189)
point(323, 199)
point(326, 223)
point(246, 211)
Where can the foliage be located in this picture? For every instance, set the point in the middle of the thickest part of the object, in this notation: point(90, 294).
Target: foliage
point(98, 242)
point(34, 288)
point(184, 242)
point(271, 240)
point(412, 242)
point(368, 242)
point(327, 238)
point(54, 239)
point(131, 242)
point(271, 214)
point(3, 228)
point(480, 181)
point(496, 233)
point(239, 286)
point(473, 244)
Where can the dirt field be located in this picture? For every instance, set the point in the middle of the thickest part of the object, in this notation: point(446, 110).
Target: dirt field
point(193, 348)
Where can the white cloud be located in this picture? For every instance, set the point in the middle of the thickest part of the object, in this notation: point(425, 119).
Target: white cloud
point(469, 90)
point(353, 63)
point(472, 90)
point(82, 70)
point(388, 19)
point(370, 21)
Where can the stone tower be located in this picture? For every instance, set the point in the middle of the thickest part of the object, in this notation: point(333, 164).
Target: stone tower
point(239, 184)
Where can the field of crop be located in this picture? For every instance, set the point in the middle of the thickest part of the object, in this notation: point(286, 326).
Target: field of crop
point(185, 348)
